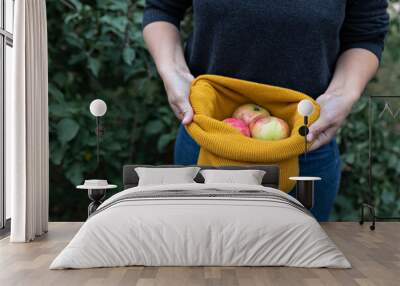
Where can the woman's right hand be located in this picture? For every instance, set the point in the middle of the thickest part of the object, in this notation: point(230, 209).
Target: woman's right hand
point(164, 43)
point(177, 86)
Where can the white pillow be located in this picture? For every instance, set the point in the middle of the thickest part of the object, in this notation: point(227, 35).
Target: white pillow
point(248, 177)
point(166, 176)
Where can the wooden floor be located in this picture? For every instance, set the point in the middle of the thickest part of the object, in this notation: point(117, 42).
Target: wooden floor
point(375, 256)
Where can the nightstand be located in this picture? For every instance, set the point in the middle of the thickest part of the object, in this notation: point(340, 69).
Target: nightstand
point(305, 190)
point(96, 192)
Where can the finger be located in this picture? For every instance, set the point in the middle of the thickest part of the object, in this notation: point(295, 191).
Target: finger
point(176, 111)
point(188, 117)
point(324, 138)
point(185, 111)
point(317, 128)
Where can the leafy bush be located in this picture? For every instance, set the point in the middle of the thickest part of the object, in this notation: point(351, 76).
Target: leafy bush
point(96, 50)
point(354, 145)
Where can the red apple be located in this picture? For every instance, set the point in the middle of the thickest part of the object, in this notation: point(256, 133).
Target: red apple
point(249, 112)
point(239, 125)
point(269, 128)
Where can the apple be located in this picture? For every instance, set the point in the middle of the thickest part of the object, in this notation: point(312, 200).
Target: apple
point(249, 112)
point(269, 128)
point(239, 125)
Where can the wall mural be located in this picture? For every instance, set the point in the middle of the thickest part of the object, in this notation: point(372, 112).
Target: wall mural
point(96, 50)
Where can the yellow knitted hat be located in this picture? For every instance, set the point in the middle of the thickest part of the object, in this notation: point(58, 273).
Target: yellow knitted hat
point(215, 98)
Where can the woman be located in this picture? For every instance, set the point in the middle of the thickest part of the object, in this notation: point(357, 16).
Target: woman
point(326, 49)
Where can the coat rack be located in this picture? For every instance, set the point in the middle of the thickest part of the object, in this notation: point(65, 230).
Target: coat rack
point(369, 204)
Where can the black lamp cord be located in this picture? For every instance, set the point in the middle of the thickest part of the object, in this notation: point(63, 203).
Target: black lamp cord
point(305, 136)
point(97, 138)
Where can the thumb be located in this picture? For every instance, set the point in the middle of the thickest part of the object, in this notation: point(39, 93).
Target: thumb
point(323, 138)
point(317, 127)
point(187, 111)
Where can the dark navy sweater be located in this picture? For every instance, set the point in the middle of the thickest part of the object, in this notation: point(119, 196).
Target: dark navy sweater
point(288, 43)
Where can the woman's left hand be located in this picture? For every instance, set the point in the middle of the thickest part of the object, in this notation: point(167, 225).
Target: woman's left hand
point(334, 109)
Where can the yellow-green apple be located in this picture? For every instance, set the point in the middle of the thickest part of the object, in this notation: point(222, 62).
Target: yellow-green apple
point(269, 128)
point(249, 112)
point(239, 125)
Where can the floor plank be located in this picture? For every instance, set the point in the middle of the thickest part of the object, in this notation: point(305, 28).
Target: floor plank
point(375, 257)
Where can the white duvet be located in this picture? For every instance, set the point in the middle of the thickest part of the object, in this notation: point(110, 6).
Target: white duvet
point(204, 231)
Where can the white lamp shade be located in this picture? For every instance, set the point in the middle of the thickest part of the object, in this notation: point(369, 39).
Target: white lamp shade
point(305, 107)
point(98, 107)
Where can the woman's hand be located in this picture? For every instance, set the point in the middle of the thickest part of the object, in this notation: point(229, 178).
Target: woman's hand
point(334, 109)
point(354, 68)
point(177, 85)
point(164, 43)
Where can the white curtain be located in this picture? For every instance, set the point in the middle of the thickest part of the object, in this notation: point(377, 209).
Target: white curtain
point(27, 148)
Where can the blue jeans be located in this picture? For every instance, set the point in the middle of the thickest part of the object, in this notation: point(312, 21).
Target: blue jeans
point(323, 162)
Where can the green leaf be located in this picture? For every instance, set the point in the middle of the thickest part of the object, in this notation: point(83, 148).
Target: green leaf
point(59, 78)
point(119, 22)
point(94, 66)
point(57, 153)
point(388, 197)
point(350, 158)
point(77, 4)
point(57, 110)
point(137, 18)
point(154, 127)
point(128, 55)
point(55, 93)
point(113, 146)
point(164, 141)
point(67, 129)
point(75, 174)
point(74, 59)
point(119, 6)
point(74, 40)
point(141, 3)
point(71, 17)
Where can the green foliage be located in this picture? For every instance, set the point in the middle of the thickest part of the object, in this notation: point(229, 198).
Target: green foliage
point(354, 145)
point(96, 50)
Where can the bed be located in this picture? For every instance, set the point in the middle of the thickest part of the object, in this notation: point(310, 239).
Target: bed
point(198, 224)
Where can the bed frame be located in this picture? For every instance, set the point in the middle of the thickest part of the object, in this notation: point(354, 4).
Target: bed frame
point(271, 177)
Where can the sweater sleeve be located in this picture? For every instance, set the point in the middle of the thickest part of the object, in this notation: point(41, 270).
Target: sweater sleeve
point(171, 11)
point(365, 25)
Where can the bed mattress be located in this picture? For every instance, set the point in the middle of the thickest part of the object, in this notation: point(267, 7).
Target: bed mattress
point(201, 225)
